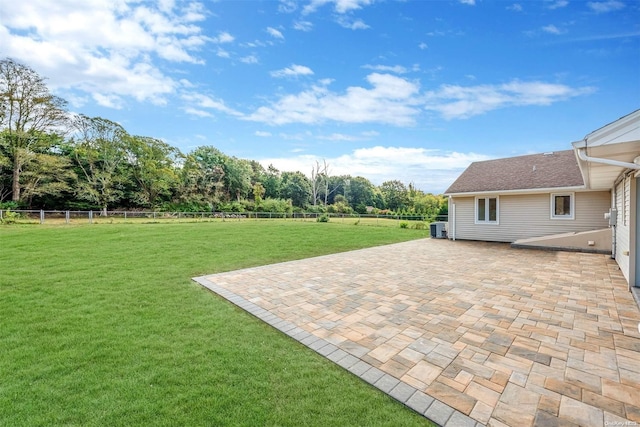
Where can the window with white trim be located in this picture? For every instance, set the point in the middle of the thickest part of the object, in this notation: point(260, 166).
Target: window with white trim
point(486, 210)
point(562, 205)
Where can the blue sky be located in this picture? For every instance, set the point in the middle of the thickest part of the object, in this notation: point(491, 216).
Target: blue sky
point(408, 90)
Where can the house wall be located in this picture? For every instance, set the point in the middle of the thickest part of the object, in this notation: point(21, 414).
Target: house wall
point(624, 199)
point(528, 215)
point(622, 202)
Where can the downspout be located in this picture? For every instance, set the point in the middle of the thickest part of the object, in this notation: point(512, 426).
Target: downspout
point(614, 230)
point(453, 225)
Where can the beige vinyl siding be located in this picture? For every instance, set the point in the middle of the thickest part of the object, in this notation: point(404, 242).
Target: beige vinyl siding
point(623, 229)
point(529, 215)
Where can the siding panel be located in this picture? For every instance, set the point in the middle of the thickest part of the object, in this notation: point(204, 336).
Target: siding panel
point(623, 229)
point(528, 215)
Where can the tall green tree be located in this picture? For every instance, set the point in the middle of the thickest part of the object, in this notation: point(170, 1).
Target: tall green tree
point(27, 112)
point(395, 194)
point(237, 177)
point(361, 192)
point(47, 176)
point(296, 187)
point(201, 177)
point(5, 169)
point(99, 149)
point(152, 166)
point(272, 182)
point(46, 173)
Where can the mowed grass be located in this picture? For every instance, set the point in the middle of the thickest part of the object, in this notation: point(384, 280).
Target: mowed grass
point(101, 325)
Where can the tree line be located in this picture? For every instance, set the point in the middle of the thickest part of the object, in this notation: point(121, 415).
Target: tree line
point(51, 159)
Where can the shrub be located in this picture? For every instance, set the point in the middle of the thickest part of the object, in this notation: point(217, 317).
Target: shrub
point(9, 217)
point(404, 224)
point(419, 225)
point(276, 205)
point(9, 205)
point(361, 208)
point(233, 206)
point(323, 218)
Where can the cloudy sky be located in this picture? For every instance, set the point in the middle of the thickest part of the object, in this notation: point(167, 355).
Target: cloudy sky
point(385, 89)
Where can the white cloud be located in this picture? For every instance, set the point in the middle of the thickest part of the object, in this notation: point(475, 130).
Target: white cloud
point(106, 49)
point(197, 112)
point(457, 102)
point(606, 6)
point(423, 46)
point(370, 133)
point(303, 25)
point(339, 6)
point(287, 6)
point(390, 100)
point(469, 2)
point(557, 4)
point(516, 7)
point(338, 137)
point(250, 59)
point(262, 134)
point(109, 101)
point(357, 24)
point(221, 53)
point(224, 37)
point(552, 29)
point(274, 33)
point(398, 69)
point(429, 170)
point(398, 101)
point(293, 71)
point(343, 12)
point(205, 101)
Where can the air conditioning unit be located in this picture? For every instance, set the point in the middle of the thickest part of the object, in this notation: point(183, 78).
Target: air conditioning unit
point(438, 230)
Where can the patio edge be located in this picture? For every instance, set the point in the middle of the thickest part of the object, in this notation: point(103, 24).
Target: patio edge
point(429, 407)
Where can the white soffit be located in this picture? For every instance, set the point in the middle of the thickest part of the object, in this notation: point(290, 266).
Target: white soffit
point(619, 141)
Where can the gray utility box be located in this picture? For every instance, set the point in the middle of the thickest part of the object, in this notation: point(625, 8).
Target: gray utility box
point(438, 230)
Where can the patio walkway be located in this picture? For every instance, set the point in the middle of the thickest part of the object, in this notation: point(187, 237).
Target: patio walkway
point(466, 333)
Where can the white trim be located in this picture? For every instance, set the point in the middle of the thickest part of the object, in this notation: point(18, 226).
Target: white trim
point(521, 191)
point(486, 221)
point(610, 133)
point(572, 204)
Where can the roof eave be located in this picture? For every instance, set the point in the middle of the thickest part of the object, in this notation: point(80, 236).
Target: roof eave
point(518, 191)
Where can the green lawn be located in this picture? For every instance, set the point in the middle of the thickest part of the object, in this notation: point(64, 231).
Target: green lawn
point(101, 325)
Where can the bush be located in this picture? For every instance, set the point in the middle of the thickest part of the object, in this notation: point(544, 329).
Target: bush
point(361, 208)
point(404, 224)
point(323, 218)
point(233, 206)
point(9, 217)
point(419, 225)
point(9, 205)
point(276, 205)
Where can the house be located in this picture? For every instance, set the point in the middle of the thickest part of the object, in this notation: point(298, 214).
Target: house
point(586, 198)
point(524, 197)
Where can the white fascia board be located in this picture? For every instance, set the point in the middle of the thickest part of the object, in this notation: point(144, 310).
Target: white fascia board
point(625, 129)
point(580, 188)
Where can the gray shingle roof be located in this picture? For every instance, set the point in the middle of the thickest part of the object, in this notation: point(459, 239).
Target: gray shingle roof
point(549, 170)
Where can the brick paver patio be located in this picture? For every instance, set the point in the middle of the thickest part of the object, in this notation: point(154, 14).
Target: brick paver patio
point(465, 333)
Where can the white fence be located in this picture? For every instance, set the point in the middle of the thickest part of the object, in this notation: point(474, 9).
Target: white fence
point(69, 216)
